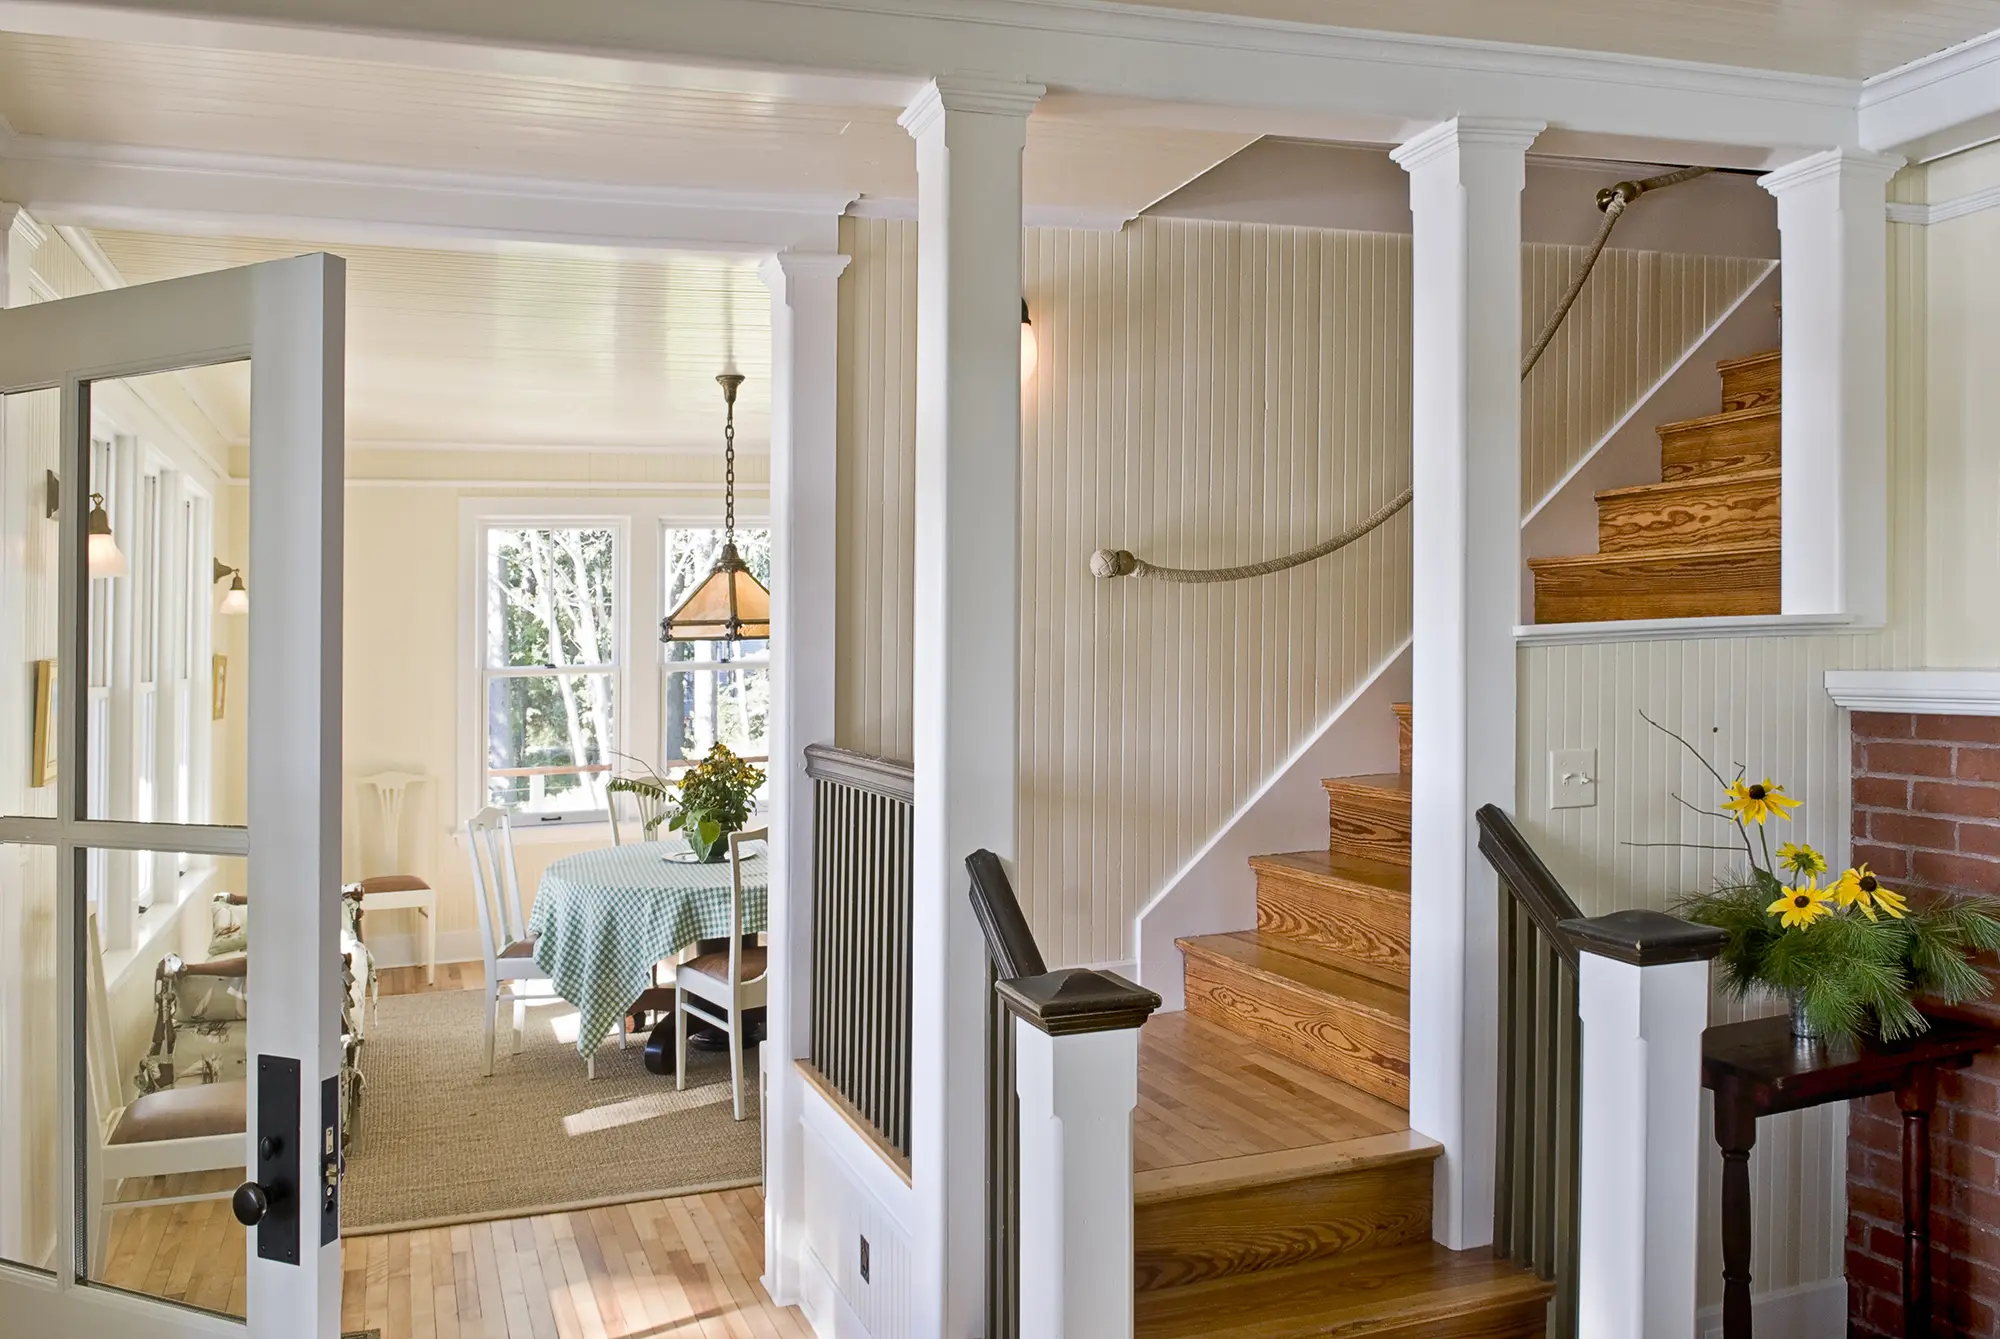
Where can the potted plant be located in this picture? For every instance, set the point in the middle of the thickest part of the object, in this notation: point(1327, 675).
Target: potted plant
point(710, 800)
point(1849, 953)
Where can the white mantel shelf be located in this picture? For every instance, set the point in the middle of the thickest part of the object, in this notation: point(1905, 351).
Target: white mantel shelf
point(1922, 692)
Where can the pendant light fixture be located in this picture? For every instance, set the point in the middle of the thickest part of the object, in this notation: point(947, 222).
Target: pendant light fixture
point(730, 604)
point(106, 560)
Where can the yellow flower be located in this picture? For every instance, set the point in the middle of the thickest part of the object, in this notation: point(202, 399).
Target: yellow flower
point(1860, 888)
point(1801, 859)
point(1800, 907)
point(1754, 802)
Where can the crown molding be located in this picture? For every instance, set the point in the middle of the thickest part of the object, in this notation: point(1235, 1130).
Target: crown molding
point(1831, 163)
point(1918, 692)
point(1511, 133)
point(1080, 217)
point(1941, 104)
point(22, 224)
point(1944, 211)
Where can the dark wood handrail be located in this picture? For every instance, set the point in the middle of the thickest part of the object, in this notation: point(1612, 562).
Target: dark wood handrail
point(1009, 942)
point(1535, 888)
point(885, 776)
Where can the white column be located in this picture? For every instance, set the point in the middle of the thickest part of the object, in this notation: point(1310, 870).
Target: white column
point(1639, 1156)
point(1077, 1094)
point(1835, 406)
point(1465, 201)
point(969, 135)
point(804, 404)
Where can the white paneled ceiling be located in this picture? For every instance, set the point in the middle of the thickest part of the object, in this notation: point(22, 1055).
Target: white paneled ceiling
point(541, 126)
point(1845, 38)
point(533, 349)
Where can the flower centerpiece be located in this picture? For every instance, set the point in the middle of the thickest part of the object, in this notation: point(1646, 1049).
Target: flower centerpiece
point(1848, 952)
point(708, 802)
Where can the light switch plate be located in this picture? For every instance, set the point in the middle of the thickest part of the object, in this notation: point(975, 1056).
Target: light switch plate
point(1572, 778)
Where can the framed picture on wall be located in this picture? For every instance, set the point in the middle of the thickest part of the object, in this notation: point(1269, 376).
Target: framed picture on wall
point(218, 687)
point(42, 763)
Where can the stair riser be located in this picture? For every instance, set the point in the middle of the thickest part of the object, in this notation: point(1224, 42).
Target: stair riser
point(1368, 823)
point(1724, 512)
point(1518, 1321)
point(1719, 448)
point(1319, 1031)
point(1243, 1230)
point(1369, 931)
point(1752, 385)
point(1692, 585)
point(1405, 734)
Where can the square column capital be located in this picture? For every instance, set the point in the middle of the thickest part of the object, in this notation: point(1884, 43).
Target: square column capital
point(984, 94)
point(1498, 134)
point(1848, 165)
point(788, 271)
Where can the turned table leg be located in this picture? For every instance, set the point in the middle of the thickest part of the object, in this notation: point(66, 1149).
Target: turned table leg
point(1735, 1132)
point(1916, 1098)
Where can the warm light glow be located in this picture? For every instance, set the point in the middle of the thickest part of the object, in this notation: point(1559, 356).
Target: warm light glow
point(1029, 354)
point(235, 600)
point(106, 560)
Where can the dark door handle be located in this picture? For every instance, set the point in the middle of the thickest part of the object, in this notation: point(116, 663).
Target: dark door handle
point(251, 1202)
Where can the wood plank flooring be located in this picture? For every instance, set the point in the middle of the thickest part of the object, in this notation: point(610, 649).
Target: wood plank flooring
point(671, 1267)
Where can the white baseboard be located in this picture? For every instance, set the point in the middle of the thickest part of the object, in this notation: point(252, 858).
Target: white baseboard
point(407, 950)
point(1809, 1311)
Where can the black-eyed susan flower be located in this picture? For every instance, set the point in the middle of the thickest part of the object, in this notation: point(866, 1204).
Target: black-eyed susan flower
point(1753, 802)
point(1860, 888)
point(1801, 859)
point(1801, 906)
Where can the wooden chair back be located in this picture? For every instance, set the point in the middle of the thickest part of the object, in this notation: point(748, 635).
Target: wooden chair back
point(496, 885)
point(382, 796)
point(737, 841)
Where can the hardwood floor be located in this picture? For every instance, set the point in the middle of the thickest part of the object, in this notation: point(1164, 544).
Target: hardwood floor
point(681, 1267)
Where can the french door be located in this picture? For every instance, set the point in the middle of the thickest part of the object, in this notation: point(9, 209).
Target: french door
point(170, 1063)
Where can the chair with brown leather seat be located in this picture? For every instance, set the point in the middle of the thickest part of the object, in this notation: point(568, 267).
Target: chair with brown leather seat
point(393, 888)
point(719, 988)
point(512, 975)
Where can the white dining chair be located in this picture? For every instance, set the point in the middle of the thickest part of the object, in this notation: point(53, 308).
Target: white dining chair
point(631, 812)
point(394, 887)
point(718, 987)
point(512, 974)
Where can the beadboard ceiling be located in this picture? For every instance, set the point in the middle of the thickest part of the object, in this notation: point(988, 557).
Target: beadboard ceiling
point(544, 127)
point(466, 348)
point(1850, 39)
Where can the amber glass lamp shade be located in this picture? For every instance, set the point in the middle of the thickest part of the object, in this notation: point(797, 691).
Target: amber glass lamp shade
point(729, 605)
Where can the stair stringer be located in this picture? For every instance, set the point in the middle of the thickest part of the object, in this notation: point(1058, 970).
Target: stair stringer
point(1564, 522)
point(1215, 892)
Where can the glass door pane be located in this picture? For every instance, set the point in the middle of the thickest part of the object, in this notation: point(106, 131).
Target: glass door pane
point(31, 1192)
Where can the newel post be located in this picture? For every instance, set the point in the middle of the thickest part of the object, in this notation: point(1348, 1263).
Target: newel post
point(1076, 1067)
point(1642, 996)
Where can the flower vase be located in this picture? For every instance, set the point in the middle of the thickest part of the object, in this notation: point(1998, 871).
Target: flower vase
point(1802, 1027)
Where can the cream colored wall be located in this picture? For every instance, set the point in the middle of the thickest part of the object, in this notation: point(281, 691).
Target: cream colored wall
point(1963, 402)
point(1207, 393)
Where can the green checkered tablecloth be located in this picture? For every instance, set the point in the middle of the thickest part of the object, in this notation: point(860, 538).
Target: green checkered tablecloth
point(605, 917)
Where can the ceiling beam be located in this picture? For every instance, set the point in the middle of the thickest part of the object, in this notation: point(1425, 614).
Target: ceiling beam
point(1939, 105)
point(248, 195)
point(1331, 83)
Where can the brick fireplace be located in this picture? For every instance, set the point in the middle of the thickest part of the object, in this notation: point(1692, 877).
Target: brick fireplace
point(1927, 816)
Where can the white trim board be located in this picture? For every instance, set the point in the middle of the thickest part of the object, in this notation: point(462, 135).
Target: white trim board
point(1809, 1311)
point(1944, 211)
point(1937, 105)
point(1684, 629)
point(1919, 692)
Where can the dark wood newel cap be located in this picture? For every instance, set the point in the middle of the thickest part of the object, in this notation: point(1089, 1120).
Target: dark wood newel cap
point(1078, 999)
point(1645, 938)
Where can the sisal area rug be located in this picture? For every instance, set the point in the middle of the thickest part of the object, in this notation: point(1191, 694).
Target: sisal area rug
point(439, 1144)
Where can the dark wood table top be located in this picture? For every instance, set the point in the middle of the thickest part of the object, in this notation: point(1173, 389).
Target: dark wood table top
point(1777, 1072)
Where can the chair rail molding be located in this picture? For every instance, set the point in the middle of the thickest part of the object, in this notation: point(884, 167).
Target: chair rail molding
point(1918, 692)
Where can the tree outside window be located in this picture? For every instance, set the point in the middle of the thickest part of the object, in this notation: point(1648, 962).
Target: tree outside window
point(550, 667)
point(712, 691)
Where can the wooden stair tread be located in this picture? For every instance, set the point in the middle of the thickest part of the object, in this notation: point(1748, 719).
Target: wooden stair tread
point(1208, 1095)
point(1246, 1170)
point(1401, 1292)
point(1395, 781)
point(1598, 561)
point(1659, 583)
point(1725, 366)
point(1271, 958)
point(1728, 418)
point(1339, 873)
point(1689, 484)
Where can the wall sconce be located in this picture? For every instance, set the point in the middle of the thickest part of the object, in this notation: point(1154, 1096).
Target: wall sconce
point(105, 558)
point(235, 600)
point(1029, 354)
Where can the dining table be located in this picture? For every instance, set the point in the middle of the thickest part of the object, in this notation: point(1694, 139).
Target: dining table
point(604, 919)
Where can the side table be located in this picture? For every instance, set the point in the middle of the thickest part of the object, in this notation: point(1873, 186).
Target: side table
point(1759, 1069)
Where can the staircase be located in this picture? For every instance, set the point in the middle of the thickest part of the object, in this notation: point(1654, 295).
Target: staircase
point(1278, 1190)
point(1704, 540)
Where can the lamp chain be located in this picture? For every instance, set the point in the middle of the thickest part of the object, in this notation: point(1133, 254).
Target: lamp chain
point(729, 475)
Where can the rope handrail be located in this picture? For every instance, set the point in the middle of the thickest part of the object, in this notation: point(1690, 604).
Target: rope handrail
point(1613, 201)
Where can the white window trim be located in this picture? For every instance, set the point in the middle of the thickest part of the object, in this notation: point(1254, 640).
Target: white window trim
point(640, 683)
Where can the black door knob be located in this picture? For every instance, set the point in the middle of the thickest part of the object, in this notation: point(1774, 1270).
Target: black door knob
point(250, 1204)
